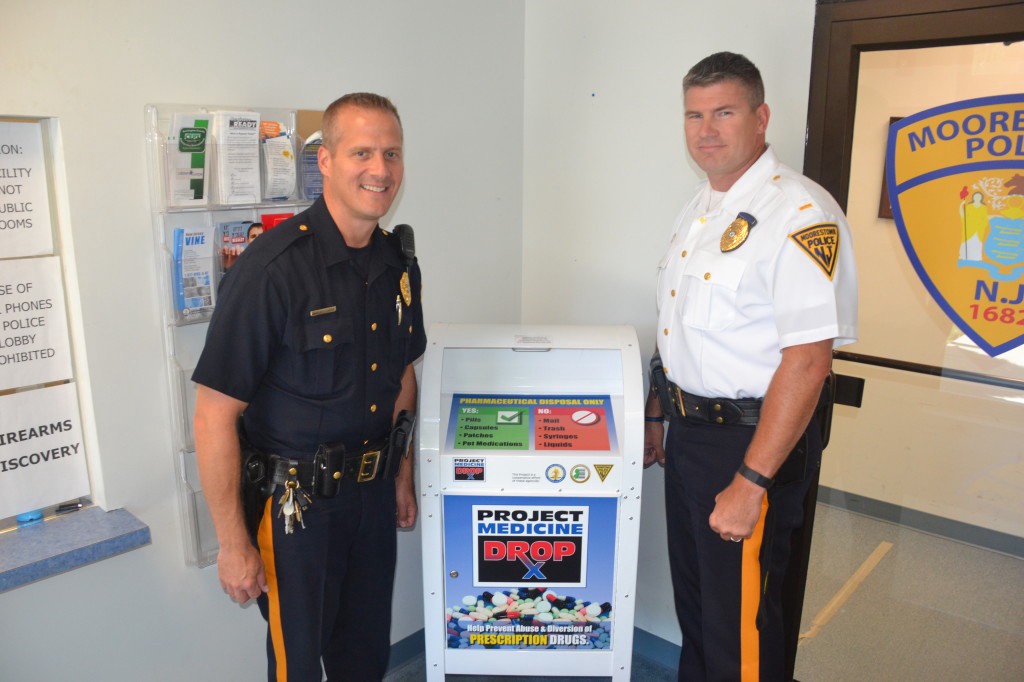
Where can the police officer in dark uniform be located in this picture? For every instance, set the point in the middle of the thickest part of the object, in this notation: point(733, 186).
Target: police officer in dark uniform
point(311, 344)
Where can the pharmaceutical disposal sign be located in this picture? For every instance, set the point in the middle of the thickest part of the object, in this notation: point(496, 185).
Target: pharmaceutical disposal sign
point(523, 422)
point(956, 179)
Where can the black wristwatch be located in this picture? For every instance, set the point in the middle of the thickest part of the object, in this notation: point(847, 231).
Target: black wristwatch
point(754, 477)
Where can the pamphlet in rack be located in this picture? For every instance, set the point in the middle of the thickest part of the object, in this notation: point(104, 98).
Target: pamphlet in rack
point(194, 273)
point(271, 220)
point(233, 237)
point(278, 160)
point(312, 180)
point(237, 138)
point(187, 160)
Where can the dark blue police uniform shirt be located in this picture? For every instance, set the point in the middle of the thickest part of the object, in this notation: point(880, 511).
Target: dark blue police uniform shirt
point(311, 374)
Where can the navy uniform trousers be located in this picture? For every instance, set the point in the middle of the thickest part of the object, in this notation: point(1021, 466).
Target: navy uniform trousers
point(330, 585)
point(728, 595)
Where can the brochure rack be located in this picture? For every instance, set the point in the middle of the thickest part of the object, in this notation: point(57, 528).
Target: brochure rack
point(206, 183)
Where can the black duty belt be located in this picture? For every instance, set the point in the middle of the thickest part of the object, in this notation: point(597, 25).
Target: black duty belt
point(322, 475)
point(363, 466)
point(743, 411)
point(263, 472)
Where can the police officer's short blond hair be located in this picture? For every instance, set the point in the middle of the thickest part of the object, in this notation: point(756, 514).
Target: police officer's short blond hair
point(362, 100)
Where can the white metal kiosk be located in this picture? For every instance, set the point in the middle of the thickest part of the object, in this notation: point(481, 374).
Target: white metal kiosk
point(530, 467)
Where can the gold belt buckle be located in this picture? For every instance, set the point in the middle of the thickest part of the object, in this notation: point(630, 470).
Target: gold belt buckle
point(368, 466)
point(678, 395)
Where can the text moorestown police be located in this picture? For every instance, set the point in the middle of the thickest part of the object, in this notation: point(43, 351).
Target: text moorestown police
point(999, 133)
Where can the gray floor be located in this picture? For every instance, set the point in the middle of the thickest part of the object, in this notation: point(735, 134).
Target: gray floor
point(930, 610)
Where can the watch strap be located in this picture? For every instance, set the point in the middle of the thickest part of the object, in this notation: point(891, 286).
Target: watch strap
point(754, 477)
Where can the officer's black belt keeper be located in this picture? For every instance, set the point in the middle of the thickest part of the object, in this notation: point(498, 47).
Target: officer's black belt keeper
point(742, 411)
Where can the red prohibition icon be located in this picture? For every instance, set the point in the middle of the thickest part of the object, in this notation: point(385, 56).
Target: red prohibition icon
point(586, 417)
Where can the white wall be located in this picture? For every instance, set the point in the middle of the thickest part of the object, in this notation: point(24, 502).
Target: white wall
point(455, 70)
point(545, 165)
point(607, 171)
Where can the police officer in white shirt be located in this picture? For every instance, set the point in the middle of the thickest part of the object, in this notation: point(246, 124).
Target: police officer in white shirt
point(756, 289)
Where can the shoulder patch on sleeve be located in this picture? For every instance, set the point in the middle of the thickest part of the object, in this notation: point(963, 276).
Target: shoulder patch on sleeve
point(821, 243)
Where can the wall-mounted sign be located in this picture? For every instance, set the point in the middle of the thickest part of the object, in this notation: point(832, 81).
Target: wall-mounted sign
point(42, 458)
point(34, 346)
point(24, 195)
point(956, 180)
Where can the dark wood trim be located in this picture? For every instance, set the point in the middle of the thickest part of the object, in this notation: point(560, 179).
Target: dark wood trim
point(843, 31)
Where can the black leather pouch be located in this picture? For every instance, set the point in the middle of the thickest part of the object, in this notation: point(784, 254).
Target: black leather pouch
point(398, 442)
point(329, 467)
point(254, 479)
point(660, 383)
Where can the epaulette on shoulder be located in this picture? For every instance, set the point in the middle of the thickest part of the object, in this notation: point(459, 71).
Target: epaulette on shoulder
point(276, 241)
point(402, 241)
point(391, 240)
point(796, 193)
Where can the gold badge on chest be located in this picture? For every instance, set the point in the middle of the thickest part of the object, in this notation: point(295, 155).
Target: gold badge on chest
point(737, 232)
point(404, 285)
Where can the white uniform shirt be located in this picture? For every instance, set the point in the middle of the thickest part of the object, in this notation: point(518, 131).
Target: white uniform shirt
point(724, 317)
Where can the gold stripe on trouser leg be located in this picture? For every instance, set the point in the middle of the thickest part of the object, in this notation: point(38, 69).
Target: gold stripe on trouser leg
point(265, 540)
point(750, 601)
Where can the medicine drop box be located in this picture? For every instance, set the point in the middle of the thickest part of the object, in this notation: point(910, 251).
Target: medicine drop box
point(530, 467)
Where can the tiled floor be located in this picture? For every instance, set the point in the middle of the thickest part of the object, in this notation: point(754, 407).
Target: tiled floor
point(927, 609)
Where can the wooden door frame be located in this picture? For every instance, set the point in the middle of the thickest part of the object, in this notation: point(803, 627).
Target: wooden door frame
point(842, 30)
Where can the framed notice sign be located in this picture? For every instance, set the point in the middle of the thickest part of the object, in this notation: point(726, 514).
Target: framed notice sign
point(42, 458)
point(34, 347)
point(24, 195)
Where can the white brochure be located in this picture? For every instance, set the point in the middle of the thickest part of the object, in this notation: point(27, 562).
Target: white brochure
point(237, 138)
point(278, 160)
point(188, 160)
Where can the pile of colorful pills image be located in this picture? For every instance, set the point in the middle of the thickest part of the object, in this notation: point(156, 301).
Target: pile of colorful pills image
point(531, 618)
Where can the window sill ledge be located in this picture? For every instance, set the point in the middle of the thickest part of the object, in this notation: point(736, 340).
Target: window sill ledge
point(63, 543)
